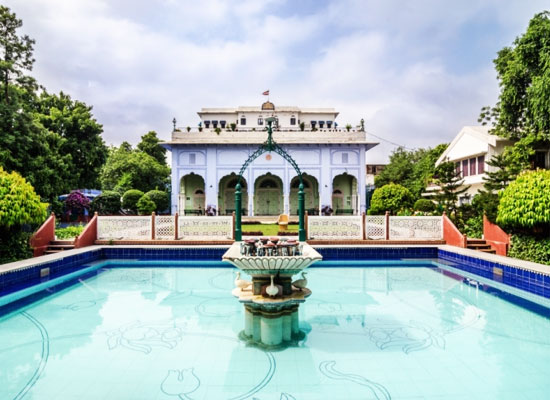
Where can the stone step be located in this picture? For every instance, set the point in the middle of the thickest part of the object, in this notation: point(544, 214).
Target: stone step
point(60, 242)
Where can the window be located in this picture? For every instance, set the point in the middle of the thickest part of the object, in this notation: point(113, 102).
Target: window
point(473, 169)
point(260, 121)
point(329, 124)
point(293, 120)
point(464, 168)
point(243, 120)
point(481, 164)
point(192, 158)
point(344, 158)
point(222, 123)
point(321, 124)
point(457, 169)
point(207, 124)
point(214, 124)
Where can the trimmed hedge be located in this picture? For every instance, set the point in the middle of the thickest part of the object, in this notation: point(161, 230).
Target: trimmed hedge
point(530, 248)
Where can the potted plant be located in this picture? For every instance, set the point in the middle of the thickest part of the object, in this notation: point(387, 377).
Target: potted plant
point(188, 129)
point(233, 126)
point(217, 130)
point(348, 127)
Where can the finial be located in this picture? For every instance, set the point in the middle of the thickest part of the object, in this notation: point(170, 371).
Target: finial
point(174, 122)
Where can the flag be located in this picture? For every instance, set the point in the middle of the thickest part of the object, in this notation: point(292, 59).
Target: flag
point(266, 93)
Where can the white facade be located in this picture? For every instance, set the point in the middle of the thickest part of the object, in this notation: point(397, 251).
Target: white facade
point(332, 159)
point(470, 150)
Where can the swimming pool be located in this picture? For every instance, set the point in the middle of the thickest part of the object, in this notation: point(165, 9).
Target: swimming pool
point(409, 330)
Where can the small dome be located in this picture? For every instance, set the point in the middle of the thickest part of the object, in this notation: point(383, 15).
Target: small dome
point(268, 106)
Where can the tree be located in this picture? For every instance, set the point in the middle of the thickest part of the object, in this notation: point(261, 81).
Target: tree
point(73, 121)
point(130, 199)
point(130, 169)
point(391, 197)
point(525, 203)
point(77, 201)
point(145, 205)
point(107, 203)
point(160, 198)
point(412, 169)
point(15, 53)
point(19, 205)
point(449, 181)
point(150, 145)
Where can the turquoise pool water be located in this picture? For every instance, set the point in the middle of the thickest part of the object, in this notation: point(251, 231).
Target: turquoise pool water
point(372, 333)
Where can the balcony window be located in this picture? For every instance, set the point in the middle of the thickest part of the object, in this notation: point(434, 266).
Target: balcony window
point(222, 124)
point(293, 120)
point(464, 168)
point(243, 121)
point(481, 165)
point(260, 121)
point(344, 158)
point(214, 124)
point(473, 168)
point(321, 124)
point(329, 124)
point(207, 124)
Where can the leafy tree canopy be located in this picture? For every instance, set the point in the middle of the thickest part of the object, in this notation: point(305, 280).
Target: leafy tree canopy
point(160, 198)
point(411, 169)
point(150, 145)
point(19, 204)
point(131, 198)
point(133, 169)
point(450, 187)
point(391, 197)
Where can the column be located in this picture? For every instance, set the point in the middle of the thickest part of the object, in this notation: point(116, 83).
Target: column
point(326, 178)
point(210, 179)
point(362, 180)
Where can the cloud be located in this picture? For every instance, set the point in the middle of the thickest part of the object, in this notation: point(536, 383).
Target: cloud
point(403, 67)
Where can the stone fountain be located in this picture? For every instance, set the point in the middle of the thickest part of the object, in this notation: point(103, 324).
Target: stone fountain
point(271, 301)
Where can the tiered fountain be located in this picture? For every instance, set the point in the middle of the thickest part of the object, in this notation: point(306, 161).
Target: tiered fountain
point(271, 300)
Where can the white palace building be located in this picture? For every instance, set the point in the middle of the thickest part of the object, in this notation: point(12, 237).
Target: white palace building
point(206, 162)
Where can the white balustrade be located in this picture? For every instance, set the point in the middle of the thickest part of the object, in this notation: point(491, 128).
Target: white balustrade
point(201, 228)
point(376, 227)
point(416, 228)
point(165, 227)
point(124, 227)
point(335, 227)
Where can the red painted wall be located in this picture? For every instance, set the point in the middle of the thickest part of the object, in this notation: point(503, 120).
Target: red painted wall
point(43, 236)
point(496, 237)
point(88, 235)
point(451, 234)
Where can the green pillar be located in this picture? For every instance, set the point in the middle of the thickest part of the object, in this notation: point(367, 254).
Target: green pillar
point(301, 212)
point(238, 230)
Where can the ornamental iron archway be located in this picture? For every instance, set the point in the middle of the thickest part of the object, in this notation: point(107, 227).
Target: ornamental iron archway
point(268, 146)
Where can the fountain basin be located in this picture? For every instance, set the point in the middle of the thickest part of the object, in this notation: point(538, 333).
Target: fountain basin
point(257, 266)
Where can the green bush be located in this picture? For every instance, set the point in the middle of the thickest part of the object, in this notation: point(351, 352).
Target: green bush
point(424, 205)
point(390, 197)
point(486, 203)
point(130, 199)
point(19, 204)
point(14, 244)
point(530, 248)
point(69, 232)
point(160, 198)
point(145, 205)
point(525, 203)
point(107, 203)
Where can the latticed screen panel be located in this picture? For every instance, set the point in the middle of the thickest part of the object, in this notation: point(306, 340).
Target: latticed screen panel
point(124, 228)
point(376, 226)
point(165, 227)
point(416, 228)
point(334, 228)
point(201, 228)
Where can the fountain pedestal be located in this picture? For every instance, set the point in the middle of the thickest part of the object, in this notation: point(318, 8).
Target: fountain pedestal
point(271, 322)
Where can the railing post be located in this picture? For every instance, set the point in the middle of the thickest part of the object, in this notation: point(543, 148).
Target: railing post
point(153, 225)
point(301, 210)
point(233, 215)
point(387, 225)
point(364, 222)
point(176, 227)
point(307, 224)
point(238, 232)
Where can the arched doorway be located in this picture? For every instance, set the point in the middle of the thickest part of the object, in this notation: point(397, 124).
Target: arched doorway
point(191, 199)
point(344, 195)
point(311, 190)
point(268, 195)
point(226, 194)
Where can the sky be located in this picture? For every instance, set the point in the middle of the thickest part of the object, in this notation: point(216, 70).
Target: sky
point(415, 71)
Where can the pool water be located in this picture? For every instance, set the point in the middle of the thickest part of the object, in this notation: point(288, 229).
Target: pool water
point(402, 332)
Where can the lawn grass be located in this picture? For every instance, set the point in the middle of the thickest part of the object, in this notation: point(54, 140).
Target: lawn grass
point(69, 232)
point(267, 229)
